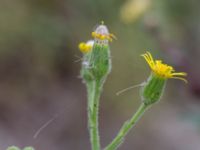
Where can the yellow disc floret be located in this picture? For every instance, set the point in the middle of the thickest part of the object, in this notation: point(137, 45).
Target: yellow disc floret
point(101, 33)
point(100, 36)
point(163, 70)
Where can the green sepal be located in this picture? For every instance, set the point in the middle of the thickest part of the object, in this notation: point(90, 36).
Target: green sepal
point(153, 89)
point(96, 65)
point(100, 61)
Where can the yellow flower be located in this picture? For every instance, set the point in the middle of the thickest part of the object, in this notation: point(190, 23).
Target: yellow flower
point(102, 34)
point(163, 70)
point(86, 47)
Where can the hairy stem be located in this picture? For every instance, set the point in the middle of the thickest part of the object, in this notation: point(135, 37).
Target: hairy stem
point(126, 128)
point(94, 91)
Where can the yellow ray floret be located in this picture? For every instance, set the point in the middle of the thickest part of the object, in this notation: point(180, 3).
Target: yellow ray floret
point(163, 70)
point(86, 47)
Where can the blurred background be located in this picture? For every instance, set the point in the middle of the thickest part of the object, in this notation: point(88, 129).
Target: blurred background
point(39, 75)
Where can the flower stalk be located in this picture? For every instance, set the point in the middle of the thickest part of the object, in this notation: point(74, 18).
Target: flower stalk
point(151, 92)
point(117, 141)
point(93, 115)
point(96, 66)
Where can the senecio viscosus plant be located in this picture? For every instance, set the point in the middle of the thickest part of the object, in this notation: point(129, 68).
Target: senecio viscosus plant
point(96, 65)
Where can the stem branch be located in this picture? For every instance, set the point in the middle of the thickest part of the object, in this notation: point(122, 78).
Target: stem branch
point(126, 128)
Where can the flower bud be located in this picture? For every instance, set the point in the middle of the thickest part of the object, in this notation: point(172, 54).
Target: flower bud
point(96, 63)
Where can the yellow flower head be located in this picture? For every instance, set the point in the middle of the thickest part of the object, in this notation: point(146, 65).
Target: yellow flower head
point(102, 34)
point(86, 47)
point(163, 70)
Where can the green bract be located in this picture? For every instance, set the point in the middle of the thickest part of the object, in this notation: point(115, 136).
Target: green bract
point(153, 89)
point(96, 64)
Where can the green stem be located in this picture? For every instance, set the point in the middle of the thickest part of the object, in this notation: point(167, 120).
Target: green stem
point(94, 90)
point(126, 128)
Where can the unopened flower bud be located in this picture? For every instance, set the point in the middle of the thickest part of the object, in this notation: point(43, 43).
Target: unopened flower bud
point(96, 63)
